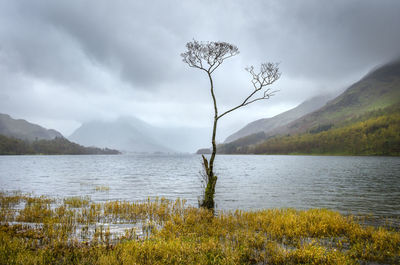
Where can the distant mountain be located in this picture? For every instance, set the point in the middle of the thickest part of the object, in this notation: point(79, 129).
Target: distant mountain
point(19, 137)
point(373, 100)
point(269, 124)
point(377, 90)
point(126, 134)
point(183, 139)
point(21, 129)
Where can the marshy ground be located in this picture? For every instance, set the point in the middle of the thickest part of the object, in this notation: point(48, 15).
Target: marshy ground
point(75, 230)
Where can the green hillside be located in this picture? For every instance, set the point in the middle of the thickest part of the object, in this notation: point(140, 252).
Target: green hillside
point(57, 146)
point(377, 90)
point(374, 136)
point(367, 104)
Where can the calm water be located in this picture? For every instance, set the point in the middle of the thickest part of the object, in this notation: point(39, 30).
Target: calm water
point(358, 185)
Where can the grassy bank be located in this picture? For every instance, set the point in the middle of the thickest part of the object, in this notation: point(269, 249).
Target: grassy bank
point(41, 230)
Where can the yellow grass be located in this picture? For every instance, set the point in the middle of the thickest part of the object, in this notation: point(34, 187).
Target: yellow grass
point(76, 231)
point(102, 188)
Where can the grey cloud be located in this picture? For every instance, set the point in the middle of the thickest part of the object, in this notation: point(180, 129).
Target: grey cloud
point(134, 40)
point(110, 58)
point(141, 40)
point(332, 39)
point(30, 48)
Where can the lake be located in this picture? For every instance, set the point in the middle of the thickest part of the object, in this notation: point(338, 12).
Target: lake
point(356, 185)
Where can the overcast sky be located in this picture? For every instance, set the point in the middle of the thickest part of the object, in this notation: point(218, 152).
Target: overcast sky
point(66, 62)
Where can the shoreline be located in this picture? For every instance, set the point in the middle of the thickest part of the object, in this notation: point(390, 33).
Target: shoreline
point(169, 232)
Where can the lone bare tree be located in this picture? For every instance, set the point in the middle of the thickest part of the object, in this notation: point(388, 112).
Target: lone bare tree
point(208, 56)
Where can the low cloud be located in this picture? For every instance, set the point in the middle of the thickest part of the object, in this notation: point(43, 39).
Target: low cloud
point(74, 61)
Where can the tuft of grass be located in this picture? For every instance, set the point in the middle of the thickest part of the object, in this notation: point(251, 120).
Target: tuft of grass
point(102, 188)
point(77, 201)
point(40, 230)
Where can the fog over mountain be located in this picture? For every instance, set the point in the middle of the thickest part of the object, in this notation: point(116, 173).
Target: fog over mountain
point(64, 64)
point(130, 134)
point(122, 134)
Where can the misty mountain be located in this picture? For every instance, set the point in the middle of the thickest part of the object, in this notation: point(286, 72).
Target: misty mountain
point(131, 134)
point(378, 91)
point(183, 139)
point(21, 129)
point(125, 134)
point(269, 124)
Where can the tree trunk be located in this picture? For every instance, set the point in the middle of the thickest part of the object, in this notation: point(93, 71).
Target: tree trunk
point(209, 192)
point(208, 201)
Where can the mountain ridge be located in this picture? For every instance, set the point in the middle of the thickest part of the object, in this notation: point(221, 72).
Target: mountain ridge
point(22, 129)
point(377, 89)
point(268, 124)
point(20, 137)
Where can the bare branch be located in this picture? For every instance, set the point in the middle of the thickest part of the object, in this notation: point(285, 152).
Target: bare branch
point(269, 73)
point(213, 54)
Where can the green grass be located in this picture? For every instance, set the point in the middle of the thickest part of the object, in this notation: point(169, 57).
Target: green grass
point(75, 231)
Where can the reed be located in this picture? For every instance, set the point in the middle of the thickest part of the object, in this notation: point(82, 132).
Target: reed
point(41, 230)
point(102, 188)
